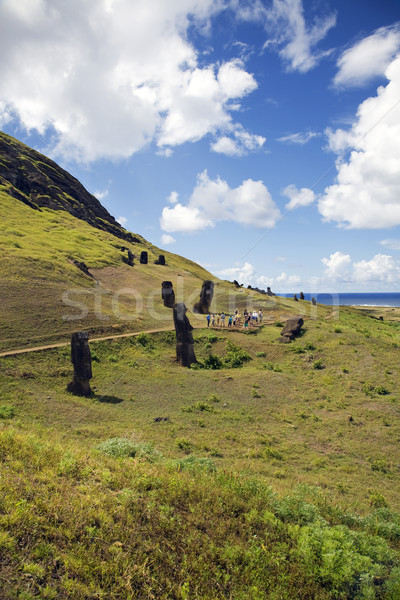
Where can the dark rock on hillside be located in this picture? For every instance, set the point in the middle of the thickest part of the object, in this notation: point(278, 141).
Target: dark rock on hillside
point(82, 267)
point(291, 330)
point(39, 182)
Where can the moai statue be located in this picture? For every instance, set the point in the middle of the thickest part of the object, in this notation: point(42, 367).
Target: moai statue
point(269, 293)
point(184, 337)
point(130, 258)
point(168, 294)
point(143, 257)
point(295, 298)
point(313, 302)
point(301, 296)
point(160, 260)
point(206, 295)
point(82, 361)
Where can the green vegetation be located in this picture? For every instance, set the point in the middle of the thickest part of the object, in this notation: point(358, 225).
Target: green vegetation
point(267, 471)
point(203, 483)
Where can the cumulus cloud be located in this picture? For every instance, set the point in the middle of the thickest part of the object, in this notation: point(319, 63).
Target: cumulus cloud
point(381, 268)
point(242, 143)
point(213, 200)
point(294, 39)
point(337, 266)
point(167, 239)
point(368, 58)
point(366, 193)
point(246, 274)
point(300, 138)
point(391, 243)
point(106, 78)
point(303, 197)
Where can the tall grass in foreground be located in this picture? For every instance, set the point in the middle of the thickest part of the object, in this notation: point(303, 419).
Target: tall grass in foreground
point(90, 525)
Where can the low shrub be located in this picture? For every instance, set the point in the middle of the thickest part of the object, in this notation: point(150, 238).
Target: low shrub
point(213, 361)
point(7, 412)
point(235, 356)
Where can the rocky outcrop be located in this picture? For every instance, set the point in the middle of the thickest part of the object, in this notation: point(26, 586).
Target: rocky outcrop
point(39, 182)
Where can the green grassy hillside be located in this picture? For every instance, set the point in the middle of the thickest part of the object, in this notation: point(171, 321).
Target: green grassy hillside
point(278, 478)
point(45, 297)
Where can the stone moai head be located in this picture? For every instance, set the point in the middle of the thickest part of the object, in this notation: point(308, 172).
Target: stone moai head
point(161, 260)
point(168, 294)
point(206, 296)
point(295, 298)
point(301, 296)
point(313, 301)
point(143, 257)
point(82, 362)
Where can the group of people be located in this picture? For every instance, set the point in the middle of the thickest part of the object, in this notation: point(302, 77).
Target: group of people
point(235, 320)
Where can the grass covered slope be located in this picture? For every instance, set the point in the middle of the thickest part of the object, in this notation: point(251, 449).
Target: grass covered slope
point(45, 297)
point(276, 479)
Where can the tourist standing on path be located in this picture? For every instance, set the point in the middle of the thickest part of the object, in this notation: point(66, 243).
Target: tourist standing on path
point(260, 315)
point(208, 320)
point(222, 319)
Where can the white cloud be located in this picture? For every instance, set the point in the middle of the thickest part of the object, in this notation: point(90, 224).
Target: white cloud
point(303, 197)
point(167, 152)
point(299, 52)
point(173, 197)
point(337, 266)
point(391, 243)
point(295, 40)
point(122, 221)
point(300, 138)
point(106, 78)
point(167, 239)
point(381, 268)
point(100, 194)
point(242, 143)
point(213, 200)
point(247, 275)
point(367, 189)
point(368, 58)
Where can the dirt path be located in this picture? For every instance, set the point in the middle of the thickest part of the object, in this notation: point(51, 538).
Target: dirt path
point(100, 339)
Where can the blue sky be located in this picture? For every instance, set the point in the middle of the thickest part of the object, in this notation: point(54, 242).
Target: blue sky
point(260, 138)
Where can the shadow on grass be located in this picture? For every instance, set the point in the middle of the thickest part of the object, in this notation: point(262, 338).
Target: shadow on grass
point(107, 399)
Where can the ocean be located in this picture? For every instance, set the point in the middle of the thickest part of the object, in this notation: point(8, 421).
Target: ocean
point(391, 299)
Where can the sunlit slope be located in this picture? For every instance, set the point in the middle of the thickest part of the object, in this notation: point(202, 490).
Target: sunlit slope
point(45, 296)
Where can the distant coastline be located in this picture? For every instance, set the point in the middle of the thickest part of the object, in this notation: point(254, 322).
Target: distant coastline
point(362, 299)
